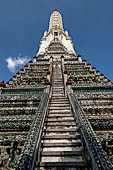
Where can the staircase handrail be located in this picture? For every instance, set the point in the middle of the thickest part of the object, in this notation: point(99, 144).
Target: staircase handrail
point(51, 77)
point(29, 152)
point(97, 155)
point(62, 71)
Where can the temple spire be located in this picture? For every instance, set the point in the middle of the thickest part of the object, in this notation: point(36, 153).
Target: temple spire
point(55, 21)
point(56, 34)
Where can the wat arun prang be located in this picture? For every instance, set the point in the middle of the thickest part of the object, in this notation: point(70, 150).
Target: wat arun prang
point(57, 111)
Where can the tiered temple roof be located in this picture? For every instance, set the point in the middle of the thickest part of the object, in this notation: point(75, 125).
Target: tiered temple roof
point(95, 95)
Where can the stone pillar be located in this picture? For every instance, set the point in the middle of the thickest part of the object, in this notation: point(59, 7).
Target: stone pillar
point(84, 61)
point(79, 58)
point(89, 65)
point(62, 61)
point(65, 77)
point(51, 59)
point(34, 59)
point(0, 90)
point(93, 69)
point(48, 76)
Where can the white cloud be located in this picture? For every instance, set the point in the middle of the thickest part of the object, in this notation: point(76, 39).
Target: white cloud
point(15, 62)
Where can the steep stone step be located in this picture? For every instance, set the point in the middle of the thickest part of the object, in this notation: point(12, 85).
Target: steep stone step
point(54, 113)
point(62, 148)
point(59, 111)
point(61, 102)
point(57, 75)
point(61, 130)
point(60, 141)
point(59, 115)
point(75, 158)
point(60, 168)
point(68, 124)
point(54, 100)
point(59, 105)
point(61, 94)
point(58, 89)
point(59, 97)
point(60, 120)
point(62, 97)
point(60, 153)
point(63, 127)
point(58, 100)
point(57, 84)
point(64, 164)
point(58, 108)
point(77, 136)
point(57, 81)
point(53, 133)
point(57, 94)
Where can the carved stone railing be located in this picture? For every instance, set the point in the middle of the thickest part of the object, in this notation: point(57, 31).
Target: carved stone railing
point(99, 160)
point(31, 147)
point(51, 75)
point(62, 71)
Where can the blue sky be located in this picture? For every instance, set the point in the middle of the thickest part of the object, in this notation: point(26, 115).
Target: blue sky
point(89, 22)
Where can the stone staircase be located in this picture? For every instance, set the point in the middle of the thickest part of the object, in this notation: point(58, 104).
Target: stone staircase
point(61, 144)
